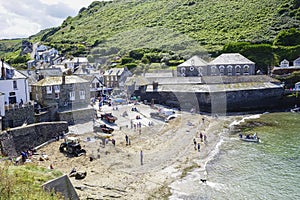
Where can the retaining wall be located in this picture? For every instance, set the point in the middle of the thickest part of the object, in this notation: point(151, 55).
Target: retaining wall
point(15, 140)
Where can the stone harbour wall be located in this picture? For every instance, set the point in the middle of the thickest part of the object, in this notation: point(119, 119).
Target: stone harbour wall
point(15, 140)
point(77, 116)
point(229, 101)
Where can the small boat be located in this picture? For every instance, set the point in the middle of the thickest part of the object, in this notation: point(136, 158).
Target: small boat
point(256, 140)
point(249, 138)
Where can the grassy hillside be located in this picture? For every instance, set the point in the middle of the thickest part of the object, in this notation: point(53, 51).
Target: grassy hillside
point(208, 23)
point(174, 29)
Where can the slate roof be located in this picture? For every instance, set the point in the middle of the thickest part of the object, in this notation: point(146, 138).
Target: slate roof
point(57, 80)
point(213, 87)
point(194, 61)
point(15, 73)
point(138, 80)
point(231, 59)
point(114, 72)
point(76, 59)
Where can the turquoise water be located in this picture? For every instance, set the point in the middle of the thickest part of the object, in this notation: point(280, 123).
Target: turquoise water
point(241, 170)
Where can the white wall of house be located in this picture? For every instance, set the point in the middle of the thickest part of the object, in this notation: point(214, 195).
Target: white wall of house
point(14, 90)
point(2, 105)
point(297, 86)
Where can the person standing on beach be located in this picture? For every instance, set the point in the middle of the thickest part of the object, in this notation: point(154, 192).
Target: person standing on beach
point(141, 156)
point(201, 136)
point(126, 139)
point(195, 143)
point(198, 147)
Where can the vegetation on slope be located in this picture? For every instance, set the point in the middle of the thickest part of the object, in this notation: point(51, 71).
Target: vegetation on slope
point(175, 30)
point(24, 182)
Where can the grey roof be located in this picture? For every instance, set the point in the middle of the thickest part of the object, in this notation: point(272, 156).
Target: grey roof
point(137, 80)
point(213, 87)
point(114, 72)
point(231, 59)
point(57, 80)
point(164, 73)
point(15, 73)
point(193, 61)
point(211, 80)
point(174, 80)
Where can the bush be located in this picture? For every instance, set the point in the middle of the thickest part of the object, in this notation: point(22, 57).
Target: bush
point(289, 37)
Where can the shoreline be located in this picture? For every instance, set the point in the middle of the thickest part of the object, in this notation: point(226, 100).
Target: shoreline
point(116, 172)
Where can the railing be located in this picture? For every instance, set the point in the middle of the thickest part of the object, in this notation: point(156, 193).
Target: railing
point(17, 106)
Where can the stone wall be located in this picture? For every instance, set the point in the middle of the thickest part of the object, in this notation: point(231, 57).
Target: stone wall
point(230, 101)
point(15, 140)
point(18, 116)
point(77, 116)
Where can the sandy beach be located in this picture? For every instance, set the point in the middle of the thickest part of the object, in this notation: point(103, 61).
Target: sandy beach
point(117, 171)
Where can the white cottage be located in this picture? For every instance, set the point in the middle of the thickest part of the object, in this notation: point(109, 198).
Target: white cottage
point(297, 86)
point(13, 86)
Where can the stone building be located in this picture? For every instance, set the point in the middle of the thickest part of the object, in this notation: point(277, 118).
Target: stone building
point(227, 64)
point(116, 77)
point(62, 91)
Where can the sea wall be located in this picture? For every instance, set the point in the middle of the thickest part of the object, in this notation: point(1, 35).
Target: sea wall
point(15, 140)
point(229, 101)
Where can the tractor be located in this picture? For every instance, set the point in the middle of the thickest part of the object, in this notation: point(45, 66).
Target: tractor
point(71, 146)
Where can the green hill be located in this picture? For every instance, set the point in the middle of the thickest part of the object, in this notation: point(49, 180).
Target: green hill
point(173, 30)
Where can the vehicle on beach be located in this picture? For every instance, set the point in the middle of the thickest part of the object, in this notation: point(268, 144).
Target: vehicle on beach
point(164, 114)
point(103, 128)
point(108, 117)
point(71, 146)
point(249, 138)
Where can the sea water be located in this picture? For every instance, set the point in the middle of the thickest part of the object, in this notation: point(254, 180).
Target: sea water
point(244, 170)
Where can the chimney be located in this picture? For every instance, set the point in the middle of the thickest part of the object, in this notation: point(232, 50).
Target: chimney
point(63, 79)
point(3, 76)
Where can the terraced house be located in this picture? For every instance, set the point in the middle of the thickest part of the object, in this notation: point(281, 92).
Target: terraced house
point(62, 91)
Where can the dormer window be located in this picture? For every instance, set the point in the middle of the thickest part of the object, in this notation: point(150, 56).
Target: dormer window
point(284, 63)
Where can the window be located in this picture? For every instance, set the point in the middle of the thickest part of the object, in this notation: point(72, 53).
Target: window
point(15, 86)
point(214, 70)
point(97, 85)
point(237, 70)
point(56, 95)
point(221, 68)
point(200, 70)
point(82, 94)
point(182, 71)
point(72, 86)
point(72, 96)
point(229, 70)
point(49, 89)
point(246, 70)
point(56, 88)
